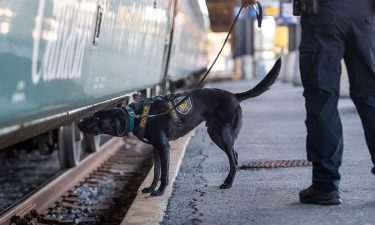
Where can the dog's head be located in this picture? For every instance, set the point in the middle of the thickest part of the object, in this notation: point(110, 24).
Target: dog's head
point(114, 122)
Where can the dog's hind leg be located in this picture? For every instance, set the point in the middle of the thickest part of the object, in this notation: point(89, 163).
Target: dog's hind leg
point(164, 161)
point(237, 124)
point(156, 172)
point(222, 136)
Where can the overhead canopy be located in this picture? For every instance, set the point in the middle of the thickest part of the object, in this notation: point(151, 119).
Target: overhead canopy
point(221, 14)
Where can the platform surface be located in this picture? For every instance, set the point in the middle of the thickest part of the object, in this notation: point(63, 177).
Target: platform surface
point(273, 129)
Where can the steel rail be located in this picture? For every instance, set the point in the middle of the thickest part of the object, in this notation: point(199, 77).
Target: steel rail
point(54, 190)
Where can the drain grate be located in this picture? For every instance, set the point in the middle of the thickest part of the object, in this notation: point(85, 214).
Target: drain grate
point(276, 164)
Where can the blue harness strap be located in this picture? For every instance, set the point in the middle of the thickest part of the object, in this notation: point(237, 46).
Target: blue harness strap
point(131, 118)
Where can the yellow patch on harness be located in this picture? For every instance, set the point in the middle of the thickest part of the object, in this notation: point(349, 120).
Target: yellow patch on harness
point(185, 107)
point(146, 111)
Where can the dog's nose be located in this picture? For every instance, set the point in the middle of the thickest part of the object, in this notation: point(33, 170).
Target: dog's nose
point(79, 126)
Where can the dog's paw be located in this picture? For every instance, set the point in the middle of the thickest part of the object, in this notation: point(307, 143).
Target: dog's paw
point(147, 190)
point(225, 186)
point(157, 193)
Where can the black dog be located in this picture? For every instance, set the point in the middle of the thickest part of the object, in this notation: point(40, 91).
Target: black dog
point(219, 108)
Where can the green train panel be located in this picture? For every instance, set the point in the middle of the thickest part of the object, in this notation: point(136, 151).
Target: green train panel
point(59, 55)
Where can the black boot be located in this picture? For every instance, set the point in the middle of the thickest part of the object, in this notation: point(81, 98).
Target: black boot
point(320, 197)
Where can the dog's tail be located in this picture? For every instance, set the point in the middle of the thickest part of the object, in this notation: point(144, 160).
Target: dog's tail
point(264, 85)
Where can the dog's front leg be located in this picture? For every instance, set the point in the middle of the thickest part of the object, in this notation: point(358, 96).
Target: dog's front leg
point(156, 172)
point(164, 158)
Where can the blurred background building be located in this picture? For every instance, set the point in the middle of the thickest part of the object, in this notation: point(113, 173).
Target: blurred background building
point(253, 50)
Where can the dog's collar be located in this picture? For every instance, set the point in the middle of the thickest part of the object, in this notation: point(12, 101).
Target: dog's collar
point(131, 118)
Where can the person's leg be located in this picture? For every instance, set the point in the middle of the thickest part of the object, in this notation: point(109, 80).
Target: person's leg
point(321, 50)
point(360, 61)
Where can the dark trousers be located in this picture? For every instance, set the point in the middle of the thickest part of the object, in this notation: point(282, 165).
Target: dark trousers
point(343, 29)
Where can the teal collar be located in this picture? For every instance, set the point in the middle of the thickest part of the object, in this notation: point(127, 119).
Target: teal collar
point(131, 118)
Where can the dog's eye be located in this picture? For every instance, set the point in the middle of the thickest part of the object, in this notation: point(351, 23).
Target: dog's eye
point(97, 118)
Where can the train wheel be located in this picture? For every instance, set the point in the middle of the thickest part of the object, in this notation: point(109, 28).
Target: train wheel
point(91, 143)
point(70, 146)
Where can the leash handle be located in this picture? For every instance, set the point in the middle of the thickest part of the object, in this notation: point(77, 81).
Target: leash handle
point(259, 19)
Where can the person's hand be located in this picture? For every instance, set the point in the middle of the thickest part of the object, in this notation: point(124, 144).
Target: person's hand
point(247, 3)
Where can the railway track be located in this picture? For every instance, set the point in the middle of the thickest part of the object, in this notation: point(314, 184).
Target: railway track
point(98, 191)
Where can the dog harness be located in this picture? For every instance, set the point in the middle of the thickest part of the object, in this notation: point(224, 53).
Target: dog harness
point(140, 130)
point(170, 100)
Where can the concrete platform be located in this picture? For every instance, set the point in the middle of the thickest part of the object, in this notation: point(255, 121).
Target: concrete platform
point(150, 210)
point(273, 129)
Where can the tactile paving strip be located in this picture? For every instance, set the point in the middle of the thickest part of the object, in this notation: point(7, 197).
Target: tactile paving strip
point(276, 164)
